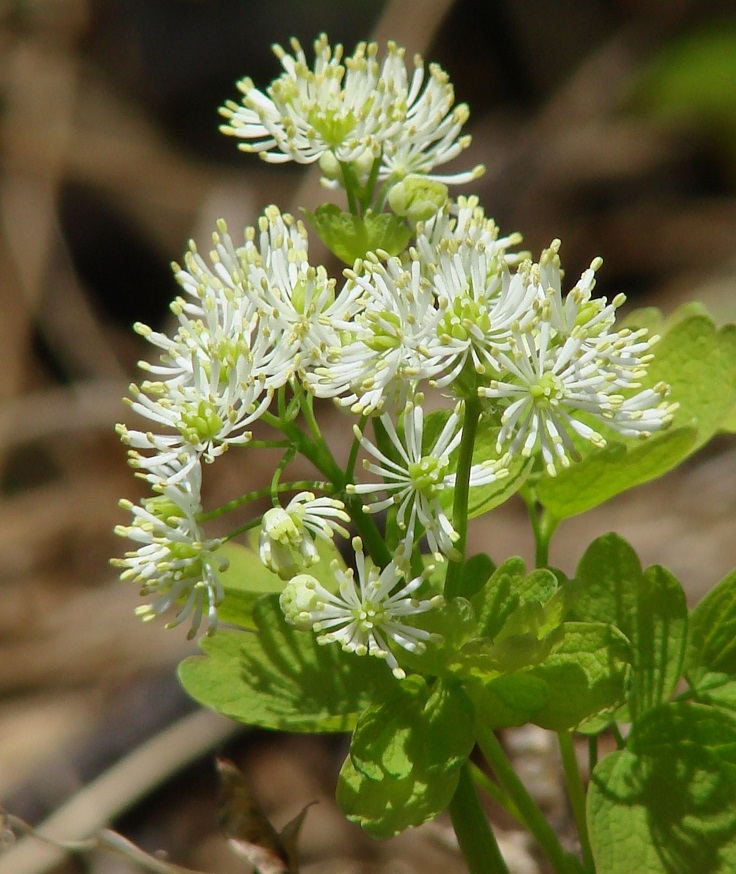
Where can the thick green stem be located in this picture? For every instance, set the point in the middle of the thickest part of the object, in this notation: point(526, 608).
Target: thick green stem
point(515, 789)
point(576, 793)
point(454, 578)
point(473, 830)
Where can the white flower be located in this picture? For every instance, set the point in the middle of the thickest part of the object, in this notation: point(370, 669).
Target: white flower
point(355, 111)
point(286, 543)
point(430, 133)
point(342, 108)
point(547, 383)
point(480, 307)
point(416, 480)
point(464, 221)
point(297, 301)
point(389, 346)
point(175, 561)
point(365, 613)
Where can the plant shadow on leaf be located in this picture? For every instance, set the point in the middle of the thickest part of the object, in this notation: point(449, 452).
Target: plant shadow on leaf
point(406, 756)
point(668, 802)
point(282, 678)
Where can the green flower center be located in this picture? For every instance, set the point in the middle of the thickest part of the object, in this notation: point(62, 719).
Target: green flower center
point(459, 319)
point(549, 389)
point(427, 474)
point(200, 423)
point(332, 128)
point(386, 329)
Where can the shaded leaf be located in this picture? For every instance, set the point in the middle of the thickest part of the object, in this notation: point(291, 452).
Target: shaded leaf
point(649, 608)
point(405, 757)
point(281, 678)
point(351, 237)
point(668, 802)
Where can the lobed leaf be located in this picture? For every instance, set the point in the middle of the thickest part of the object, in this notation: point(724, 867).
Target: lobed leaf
point(281, 678)
point(667, 803)
point(405, 757)
point(649, 608)
point(712, 642)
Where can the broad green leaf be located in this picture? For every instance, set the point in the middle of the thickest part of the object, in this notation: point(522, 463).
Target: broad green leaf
point(351, 237)
point(576, 671)
point(698, 362)
point(482, 499)
point(281, 678)
point(509, 700)
point(717, 689)
point(247, 578)
point(405, 757)
point(649, 608)
point(585, 673)
point(485, 498)
point(668, 802)
point(507, 590)
point(612, 470)
point(712, 642)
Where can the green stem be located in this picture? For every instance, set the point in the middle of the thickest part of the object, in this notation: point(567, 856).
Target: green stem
point(299, 485)
point(473, 831)
point(592, 752)
point(494, 791)
point(576, 793)
point(349, 181)
point(254, 523)
point(286, 458)
point(354, 449)
point(543, 526)
point(618, 737)
point(515, 789)
point(454, 578)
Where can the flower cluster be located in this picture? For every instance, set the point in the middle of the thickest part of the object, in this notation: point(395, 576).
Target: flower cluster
point(353, 111)
point(261, 332)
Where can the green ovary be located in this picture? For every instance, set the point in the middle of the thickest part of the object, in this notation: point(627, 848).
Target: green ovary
point(546, 391)
point(386, 329)
point(461, 316)
point(332, 128)
point(200, 424)
point(427, 474)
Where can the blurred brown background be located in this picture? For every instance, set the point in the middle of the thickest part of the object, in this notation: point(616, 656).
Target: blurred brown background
point(609, 124)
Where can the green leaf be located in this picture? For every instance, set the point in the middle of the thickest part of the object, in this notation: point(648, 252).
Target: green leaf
point(649, 608)
point(281, 678)
point(405, 757)
point(485, 498)
point(698, 362)
point(576, 671)
point(612, 470)
point(453, 623)
point(668, 802)
point(712, 642)
point(245, 580)
point(351, 237)
point(585, 673)
point(508, 589)
point(476, 573)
